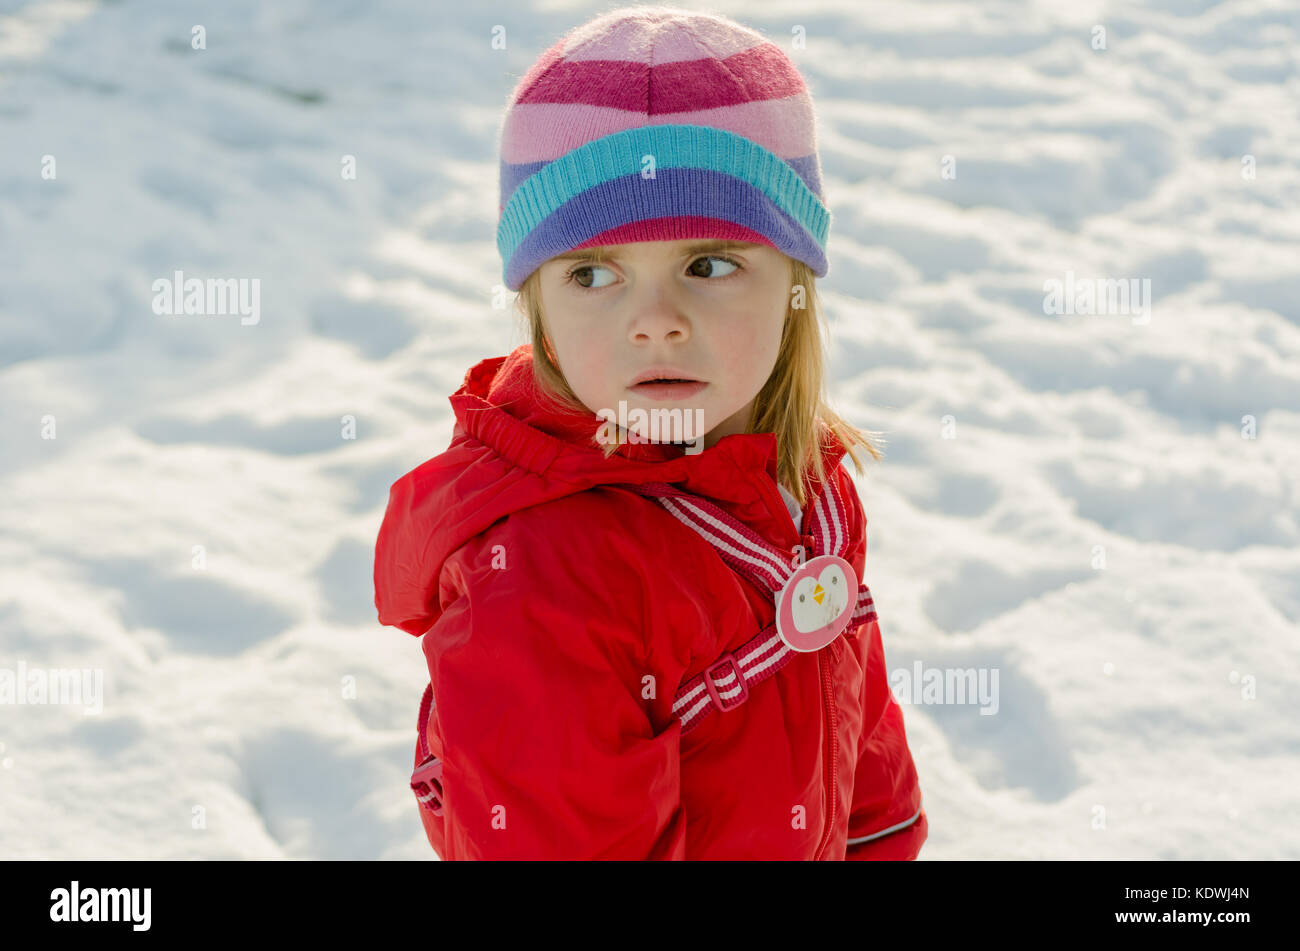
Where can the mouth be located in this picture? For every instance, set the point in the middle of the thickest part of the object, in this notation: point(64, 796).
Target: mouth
point(668, 388)
point(666, 383)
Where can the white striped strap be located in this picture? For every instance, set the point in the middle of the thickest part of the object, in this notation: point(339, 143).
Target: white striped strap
point(737, 544)
point(725, 684)
point(743, 548)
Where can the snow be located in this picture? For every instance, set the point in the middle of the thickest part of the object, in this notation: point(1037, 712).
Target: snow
point(1066, 499)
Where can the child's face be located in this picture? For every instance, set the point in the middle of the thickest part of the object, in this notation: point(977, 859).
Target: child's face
point(647, 305)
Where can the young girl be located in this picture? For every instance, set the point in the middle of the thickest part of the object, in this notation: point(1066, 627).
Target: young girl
point(641, 602)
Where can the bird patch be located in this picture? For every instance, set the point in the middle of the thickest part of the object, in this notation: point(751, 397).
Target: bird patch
point(815, 605)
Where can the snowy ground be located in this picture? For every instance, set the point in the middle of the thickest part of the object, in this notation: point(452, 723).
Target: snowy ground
point(1147, 708)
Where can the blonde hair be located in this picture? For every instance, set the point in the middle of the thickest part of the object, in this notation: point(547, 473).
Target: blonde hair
point(792, 403)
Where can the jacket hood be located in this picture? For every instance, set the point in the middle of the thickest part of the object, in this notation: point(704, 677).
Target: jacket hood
point(511, 450)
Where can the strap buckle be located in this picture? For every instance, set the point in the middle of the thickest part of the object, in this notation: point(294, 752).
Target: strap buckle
point(709, 685)
point(426, 782)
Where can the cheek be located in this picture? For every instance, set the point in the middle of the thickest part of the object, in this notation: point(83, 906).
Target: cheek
point(584, 358)
point(751, 340)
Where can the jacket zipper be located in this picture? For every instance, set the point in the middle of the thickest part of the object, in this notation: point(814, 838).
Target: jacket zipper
point(830, 767)
point(824, 681)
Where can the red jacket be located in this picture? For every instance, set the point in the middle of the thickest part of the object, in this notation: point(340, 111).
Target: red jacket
point(559, 615)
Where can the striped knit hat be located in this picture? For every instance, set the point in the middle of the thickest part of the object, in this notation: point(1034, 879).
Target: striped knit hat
point(658, 124)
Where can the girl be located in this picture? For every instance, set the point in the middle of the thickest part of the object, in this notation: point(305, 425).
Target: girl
point(641, 602)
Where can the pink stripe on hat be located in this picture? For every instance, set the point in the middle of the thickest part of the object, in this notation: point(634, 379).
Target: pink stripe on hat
point(713, 107)
point(702, 36)
point(542, 131)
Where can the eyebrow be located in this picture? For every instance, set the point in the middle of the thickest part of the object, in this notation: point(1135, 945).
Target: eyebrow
point(603, 252)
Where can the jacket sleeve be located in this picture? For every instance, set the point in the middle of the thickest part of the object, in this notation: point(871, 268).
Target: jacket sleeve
point(537, 667)
point(886, 819)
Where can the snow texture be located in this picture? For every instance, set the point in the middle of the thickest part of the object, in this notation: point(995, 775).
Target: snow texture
point(1104, 509)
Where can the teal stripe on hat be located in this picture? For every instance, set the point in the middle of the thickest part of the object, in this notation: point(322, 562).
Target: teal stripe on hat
point(673, 146)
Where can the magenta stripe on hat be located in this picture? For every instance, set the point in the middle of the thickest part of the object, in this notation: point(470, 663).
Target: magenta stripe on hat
point(721, 109)
point(676, 228)
point(670, 87)
point(544, 62)
point(542, 131)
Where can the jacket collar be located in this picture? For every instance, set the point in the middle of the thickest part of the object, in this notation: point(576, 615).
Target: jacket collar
point(512, 450)
point(500, 405)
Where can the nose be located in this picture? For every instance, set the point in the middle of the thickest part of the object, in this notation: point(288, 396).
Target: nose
point(656, 318)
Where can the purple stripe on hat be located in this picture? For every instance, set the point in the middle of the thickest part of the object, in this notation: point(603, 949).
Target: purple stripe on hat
point(673, 191)
point(513, 175)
